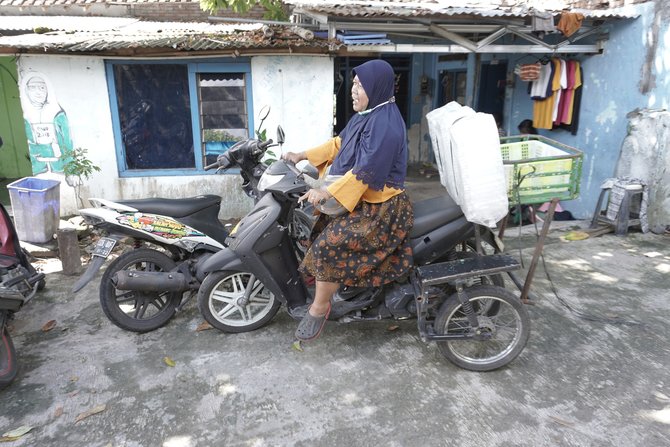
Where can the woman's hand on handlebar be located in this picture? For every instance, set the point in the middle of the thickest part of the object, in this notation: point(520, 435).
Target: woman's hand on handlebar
point(316, 196)
point(294, 157)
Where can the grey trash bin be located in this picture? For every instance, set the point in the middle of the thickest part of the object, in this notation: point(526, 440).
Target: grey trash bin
point(36, 208)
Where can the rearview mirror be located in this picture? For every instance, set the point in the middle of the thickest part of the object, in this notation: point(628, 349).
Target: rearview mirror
point(281, 137)
point(263, 113)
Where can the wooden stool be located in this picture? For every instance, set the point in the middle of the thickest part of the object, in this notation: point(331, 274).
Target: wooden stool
point(623, 219)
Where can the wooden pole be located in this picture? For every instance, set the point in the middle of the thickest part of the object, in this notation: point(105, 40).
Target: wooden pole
point(68, 251)
point(538, 249)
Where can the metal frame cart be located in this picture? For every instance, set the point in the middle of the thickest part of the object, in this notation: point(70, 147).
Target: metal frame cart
point(539, 170)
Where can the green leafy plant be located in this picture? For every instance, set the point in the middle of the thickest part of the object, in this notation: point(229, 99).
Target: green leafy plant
point(78, 168)
point(261, 135)
point(78, 165)
point(212, 135)
point(274, 9)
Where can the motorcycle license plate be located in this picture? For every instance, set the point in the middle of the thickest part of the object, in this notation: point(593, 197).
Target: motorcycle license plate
point(104, 247)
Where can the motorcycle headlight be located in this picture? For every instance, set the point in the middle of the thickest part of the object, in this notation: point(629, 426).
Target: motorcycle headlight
point(267, 180)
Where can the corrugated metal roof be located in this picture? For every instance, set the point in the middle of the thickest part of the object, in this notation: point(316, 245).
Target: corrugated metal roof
point(62, 23)
point(40, 3)
point(448, 8)
point(110, 36)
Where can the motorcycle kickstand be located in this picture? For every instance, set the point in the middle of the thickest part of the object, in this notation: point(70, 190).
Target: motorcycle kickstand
point(183, 303)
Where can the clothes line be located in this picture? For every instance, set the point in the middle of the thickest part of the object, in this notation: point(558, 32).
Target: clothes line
point(555, 88)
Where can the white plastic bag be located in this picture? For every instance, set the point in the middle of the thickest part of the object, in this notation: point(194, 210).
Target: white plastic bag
point(439, 124)
point(467, 147)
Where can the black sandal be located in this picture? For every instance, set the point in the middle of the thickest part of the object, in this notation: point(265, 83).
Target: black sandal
point(310, 327)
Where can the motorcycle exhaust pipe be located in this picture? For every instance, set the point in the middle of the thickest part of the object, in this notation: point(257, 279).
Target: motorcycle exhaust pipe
point(150, 281)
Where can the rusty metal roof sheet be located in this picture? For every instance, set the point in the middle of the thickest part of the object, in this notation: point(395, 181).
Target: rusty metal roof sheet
point(62, 23)
point(93, 34)
point(43, 3)
point(448, 8)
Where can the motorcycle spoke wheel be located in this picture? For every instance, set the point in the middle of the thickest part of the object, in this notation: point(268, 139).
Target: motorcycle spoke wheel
point(138, 311)
point(236, 302)
point(500, 314)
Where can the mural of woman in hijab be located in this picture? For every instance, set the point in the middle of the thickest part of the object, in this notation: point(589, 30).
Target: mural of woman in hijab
point(47, 126)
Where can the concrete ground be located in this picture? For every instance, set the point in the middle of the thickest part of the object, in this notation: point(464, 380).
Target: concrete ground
point(582, 380)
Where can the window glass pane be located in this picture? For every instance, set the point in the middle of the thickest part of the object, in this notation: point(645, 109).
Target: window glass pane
point(155, 115)
point(223, 112)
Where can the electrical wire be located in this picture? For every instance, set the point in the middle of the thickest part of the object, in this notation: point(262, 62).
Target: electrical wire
point(580, 314)
point(584, 315)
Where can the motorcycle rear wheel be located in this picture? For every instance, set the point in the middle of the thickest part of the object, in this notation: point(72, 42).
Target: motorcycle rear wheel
point(134, 310)
point(509, 326)
point(8, 366)
point(219, 302)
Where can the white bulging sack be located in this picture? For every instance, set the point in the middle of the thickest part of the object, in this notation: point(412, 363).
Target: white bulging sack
point(467, 147)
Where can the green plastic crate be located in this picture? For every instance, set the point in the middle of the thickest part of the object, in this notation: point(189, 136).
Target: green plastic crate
point(538, 169)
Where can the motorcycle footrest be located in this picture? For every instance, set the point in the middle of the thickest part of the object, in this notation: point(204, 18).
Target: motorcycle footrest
point(10, 299)
point(462, 269)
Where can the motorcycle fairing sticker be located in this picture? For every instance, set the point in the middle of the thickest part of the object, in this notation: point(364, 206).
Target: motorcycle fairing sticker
point(160, 226)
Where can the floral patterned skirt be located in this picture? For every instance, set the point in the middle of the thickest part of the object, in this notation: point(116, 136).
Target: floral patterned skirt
point(365, 248)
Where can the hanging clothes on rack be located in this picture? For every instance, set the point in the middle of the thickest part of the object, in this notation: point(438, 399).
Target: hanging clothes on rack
point(556, 95)
point(567, 101)
point(570, 22)
point(529, 72)
point(563, 82)
point(542, 88)
point(575, 103)
point(543, 108)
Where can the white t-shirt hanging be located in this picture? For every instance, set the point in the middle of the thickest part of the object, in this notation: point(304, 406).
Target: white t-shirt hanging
point(539, 87)
point(559, 92)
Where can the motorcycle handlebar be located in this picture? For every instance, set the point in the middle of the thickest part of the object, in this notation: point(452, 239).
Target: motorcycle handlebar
point(265, 144)
point(260, 148)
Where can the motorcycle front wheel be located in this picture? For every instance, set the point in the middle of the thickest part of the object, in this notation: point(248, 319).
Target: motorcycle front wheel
point(8, 365)
point(138, 311)
point(236, 302)
point(301, 229)
point(508, 326)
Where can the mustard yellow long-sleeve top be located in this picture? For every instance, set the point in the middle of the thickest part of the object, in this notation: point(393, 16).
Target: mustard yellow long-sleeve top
point(348, 190)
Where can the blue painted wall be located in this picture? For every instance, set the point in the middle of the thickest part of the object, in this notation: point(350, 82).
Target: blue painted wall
point(612, 88)
point(613, 85)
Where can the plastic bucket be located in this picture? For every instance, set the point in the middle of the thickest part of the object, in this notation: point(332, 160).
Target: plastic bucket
point(36, 208)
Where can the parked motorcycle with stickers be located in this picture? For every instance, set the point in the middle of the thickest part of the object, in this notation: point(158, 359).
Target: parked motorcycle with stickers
point(143, 288)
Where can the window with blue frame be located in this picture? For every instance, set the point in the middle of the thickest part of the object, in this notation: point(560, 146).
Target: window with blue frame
point(171, 118)
point(223, 112)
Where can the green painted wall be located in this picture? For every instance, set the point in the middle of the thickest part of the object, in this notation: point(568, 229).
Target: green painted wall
point(14, 159)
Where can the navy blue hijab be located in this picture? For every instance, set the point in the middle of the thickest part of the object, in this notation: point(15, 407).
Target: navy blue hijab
point(374, 142)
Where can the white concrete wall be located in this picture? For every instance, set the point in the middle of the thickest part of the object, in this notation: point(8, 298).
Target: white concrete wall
point(298, 89)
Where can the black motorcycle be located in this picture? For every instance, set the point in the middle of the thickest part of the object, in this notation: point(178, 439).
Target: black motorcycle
point(455, 290)
point(19, 282)
point(143, 288)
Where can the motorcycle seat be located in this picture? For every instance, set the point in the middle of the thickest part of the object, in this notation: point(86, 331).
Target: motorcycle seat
point(432, 213)
point(173, 207)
